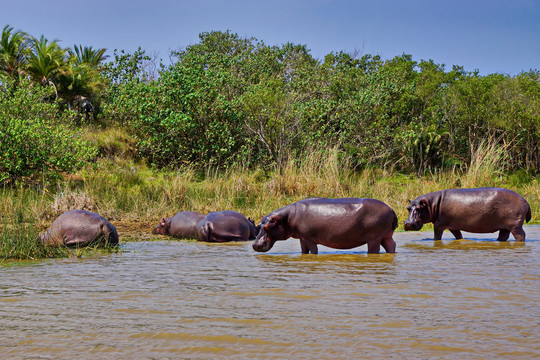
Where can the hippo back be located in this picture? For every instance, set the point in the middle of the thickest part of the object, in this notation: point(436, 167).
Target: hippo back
point(183, 224)
point(482, 209)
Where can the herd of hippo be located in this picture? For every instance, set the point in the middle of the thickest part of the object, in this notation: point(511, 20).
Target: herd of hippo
point(336, 223)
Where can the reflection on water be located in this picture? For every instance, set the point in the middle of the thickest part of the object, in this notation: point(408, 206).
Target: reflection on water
point(470, 299)
point(466, 244)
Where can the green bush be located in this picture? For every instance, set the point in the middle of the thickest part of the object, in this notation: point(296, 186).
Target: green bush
point(229, 100)
point(36, 139)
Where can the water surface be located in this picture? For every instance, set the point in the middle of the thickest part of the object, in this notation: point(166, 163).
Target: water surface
point(464, 299)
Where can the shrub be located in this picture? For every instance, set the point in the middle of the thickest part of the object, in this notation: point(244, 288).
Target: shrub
point(36, 139)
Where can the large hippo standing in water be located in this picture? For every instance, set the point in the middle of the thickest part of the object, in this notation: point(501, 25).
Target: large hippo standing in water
point(181, 225)
point(223, 226)
point(80, 228)
point(481, 210)
point(337, 223)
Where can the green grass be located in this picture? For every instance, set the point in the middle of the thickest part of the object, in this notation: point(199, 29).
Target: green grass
point(21, 243)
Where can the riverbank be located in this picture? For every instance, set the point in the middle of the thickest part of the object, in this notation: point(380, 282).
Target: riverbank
point(134, 197)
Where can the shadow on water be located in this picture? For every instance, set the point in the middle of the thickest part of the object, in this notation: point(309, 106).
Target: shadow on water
point(423, 240)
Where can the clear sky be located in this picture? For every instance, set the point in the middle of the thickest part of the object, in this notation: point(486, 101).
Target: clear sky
point(492, 36)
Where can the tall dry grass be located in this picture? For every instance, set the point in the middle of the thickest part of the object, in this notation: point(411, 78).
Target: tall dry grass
point(487, 163)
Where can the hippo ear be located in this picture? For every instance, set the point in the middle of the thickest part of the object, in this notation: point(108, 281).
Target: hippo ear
point(163, 222)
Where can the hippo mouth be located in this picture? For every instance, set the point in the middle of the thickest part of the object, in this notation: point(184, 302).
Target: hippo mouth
point(414, 226)
point(262, 244)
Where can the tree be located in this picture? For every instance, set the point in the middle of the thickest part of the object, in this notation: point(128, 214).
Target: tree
point(46, 61)
point(272, 117)
point(81, 81)
point(88, 55)
point(13, 52)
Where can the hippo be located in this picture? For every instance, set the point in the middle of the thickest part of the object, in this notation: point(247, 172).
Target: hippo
point(480, 210)
point(80, 228)
point(181, 225)
point(223, 226)
point(343, 223)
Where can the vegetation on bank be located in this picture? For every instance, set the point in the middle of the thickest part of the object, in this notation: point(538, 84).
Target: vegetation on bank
point(236, 124)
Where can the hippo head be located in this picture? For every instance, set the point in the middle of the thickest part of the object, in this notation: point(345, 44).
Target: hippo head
point(162, 228)
point(418, 214)
point(272, 227)
point(44, 237)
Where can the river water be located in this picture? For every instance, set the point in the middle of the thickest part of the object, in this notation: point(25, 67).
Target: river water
point(466, 299)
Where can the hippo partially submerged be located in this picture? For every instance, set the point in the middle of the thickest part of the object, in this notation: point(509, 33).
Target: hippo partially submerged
point(481, 210)
point(337, 223)
point(223, 226)
point(181, 225)
point(80, 228)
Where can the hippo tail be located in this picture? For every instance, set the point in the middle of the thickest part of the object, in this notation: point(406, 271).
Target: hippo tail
point(395, 222)
point(528, 216)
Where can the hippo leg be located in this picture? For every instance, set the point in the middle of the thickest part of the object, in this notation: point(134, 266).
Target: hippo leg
point(308, 246)
point(518, 233)
point(457, 234)
point(503, 235)
point(438, 232)
point(388, 244)
point(373, 247)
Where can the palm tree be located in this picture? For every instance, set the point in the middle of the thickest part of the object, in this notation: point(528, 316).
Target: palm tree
point(88, 55)
point(13, 52)
point(46, 61)
point(82, 80)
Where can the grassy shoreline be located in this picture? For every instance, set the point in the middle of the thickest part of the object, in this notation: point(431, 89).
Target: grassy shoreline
point(134, 197)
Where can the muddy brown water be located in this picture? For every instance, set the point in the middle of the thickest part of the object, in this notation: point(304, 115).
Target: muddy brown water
point(466, 299)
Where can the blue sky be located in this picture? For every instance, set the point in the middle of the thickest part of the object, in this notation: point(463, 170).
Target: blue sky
point(492, 36)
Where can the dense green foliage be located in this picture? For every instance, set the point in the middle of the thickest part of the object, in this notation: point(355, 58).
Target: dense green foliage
point(229, 99)
point(36, 138)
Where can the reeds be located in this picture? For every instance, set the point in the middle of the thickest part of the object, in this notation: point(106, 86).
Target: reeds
point(21, 242)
